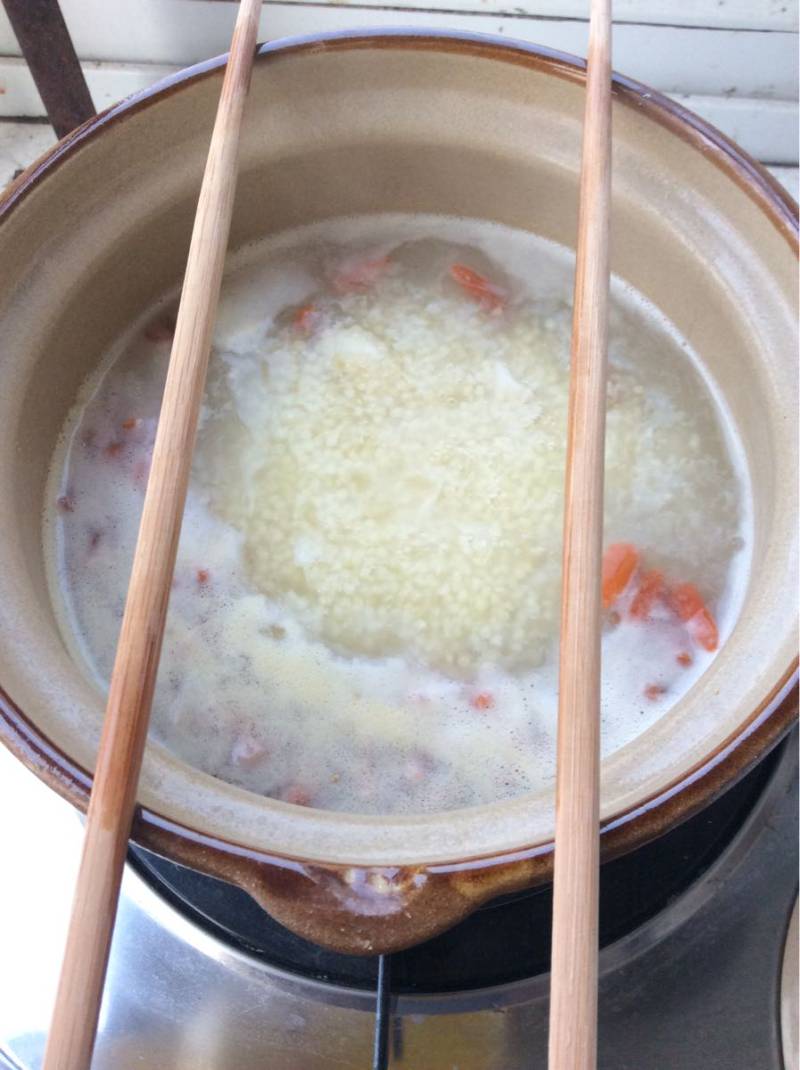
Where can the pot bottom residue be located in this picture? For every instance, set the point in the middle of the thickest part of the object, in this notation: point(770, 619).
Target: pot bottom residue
point(365, 605)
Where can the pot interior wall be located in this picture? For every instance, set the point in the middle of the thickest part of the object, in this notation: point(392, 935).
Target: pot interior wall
point(350, 131)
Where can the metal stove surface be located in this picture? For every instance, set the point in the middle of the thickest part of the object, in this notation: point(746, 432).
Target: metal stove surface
point(695, 986)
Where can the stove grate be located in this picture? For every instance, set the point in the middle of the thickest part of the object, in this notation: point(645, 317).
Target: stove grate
point(383, 999)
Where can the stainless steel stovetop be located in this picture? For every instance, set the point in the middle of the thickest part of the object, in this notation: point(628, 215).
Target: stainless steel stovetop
point(696, 986)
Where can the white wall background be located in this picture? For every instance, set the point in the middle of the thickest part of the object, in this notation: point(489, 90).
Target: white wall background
point(733, 61)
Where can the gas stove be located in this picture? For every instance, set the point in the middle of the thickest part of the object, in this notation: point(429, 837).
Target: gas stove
point(693, 929)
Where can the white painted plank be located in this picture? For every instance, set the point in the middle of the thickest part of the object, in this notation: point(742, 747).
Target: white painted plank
point(673, 59)
point(789, 178)
point(20, 144)
point(108, 83)
point(768, 129)
point(716, 14)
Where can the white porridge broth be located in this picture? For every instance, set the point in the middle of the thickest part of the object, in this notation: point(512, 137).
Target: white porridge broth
point(365, 605)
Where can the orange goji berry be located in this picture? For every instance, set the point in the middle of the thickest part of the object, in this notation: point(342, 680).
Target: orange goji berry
point(482, 701)
point(306, 319)
point(651, 588)
point(688, 605)
point(489, 296)
point(619, 564)
point(358, 276)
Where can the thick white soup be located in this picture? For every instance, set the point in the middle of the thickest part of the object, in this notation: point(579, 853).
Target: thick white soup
point(365, 608)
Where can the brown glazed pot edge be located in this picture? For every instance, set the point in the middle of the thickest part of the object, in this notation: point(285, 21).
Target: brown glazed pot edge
point(367, 911)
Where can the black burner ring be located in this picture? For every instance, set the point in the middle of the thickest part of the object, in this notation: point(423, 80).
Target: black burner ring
point(506, 940)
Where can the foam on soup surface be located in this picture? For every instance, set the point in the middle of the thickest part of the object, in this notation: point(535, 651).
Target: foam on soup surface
point(365, 605)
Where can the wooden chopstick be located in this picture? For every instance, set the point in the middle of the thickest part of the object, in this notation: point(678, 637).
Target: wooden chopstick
point(573, 983)
point(74, 1022)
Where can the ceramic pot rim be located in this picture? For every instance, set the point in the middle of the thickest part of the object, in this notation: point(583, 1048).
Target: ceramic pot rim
point(692, 789)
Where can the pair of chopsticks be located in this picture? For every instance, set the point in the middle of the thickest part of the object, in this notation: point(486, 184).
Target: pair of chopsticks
point(573, 1011)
